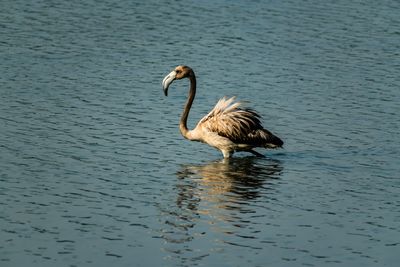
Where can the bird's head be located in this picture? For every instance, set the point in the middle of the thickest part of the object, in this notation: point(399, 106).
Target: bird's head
point(178, 73)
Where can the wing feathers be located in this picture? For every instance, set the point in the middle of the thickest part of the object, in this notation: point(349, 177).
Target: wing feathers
point(241, 126)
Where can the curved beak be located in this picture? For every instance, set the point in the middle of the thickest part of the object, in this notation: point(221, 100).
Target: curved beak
point(167, 81)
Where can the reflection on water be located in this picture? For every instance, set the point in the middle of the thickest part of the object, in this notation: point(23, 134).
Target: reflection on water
point(241, 177)
point(219, 193)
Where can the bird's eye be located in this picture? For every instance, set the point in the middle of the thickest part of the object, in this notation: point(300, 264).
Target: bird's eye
point(177, 71)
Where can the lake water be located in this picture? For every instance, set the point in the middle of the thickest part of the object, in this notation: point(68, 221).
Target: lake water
point(94, 171)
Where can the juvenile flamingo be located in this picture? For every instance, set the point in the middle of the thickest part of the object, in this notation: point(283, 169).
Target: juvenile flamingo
point(227, 127)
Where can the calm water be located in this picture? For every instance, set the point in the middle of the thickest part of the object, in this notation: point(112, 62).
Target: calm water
point(94, 172)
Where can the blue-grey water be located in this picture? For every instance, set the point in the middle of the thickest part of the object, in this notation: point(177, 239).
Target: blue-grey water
point(94, 171)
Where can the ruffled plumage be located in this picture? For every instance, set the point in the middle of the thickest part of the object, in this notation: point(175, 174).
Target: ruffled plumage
point(240, 125)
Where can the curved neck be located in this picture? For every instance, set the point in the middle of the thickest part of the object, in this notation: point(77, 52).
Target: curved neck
point(185, 114)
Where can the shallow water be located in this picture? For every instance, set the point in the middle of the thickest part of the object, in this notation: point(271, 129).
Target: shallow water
point(94, 171)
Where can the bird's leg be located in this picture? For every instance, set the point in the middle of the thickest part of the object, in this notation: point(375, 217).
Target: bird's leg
point(227, 153)
point(256, 153)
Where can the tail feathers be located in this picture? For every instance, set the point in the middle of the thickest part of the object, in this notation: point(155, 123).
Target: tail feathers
point(265, 138)
point(274, 141)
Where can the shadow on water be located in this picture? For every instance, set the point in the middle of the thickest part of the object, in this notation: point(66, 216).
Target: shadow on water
point(219, 196)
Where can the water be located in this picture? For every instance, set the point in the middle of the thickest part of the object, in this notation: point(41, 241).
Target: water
point(94, 171)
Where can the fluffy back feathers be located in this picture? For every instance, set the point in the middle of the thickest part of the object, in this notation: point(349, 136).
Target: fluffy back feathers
point(241, 126)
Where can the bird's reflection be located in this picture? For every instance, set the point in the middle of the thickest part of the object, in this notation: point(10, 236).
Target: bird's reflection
point(217, 194)
point(228, 182)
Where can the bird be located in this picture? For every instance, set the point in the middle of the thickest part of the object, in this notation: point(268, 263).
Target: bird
point(228, 127)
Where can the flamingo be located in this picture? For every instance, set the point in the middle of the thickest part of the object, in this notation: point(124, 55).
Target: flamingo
point(227, 127)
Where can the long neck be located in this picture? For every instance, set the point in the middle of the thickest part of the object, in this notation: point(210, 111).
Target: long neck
point(185, 114)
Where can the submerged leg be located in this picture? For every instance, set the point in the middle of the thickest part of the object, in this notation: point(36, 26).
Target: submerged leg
point(227, 153)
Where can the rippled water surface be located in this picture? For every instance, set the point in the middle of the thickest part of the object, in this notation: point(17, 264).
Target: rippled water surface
point(94, 171)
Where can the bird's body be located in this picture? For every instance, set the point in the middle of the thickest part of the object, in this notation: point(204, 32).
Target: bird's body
point(227, 127)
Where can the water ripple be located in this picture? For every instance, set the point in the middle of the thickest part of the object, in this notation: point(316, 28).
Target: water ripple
point(94, 171)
